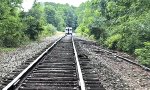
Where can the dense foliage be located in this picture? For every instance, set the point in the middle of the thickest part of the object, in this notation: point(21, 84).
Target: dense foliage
point(60, 15)
point(43, 19)
point(118, 24)
point(11, 26)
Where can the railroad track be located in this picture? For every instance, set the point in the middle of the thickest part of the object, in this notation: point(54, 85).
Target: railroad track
point(58, 68)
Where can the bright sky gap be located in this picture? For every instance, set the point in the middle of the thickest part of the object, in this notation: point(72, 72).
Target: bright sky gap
point(27, 4)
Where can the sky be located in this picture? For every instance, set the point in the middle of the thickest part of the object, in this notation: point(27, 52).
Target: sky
point(27, 4)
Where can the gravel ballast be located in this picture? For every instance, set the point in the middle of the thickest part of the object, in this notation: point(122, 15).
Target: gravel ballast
point(115, 73)
point(10, 61)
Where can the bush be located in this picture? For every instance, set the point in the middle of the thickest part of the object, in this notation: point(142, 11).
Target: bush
point(48, 30)
point(112, 41)
point(11, 32)
point(97, 32)
point(134, 33)
point(83, 30)
point(34, 27)
point(144, 54)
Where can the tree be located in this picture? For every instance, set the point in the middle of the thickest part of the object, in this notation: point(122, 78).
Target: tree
point(11, 26)
point(117, 24)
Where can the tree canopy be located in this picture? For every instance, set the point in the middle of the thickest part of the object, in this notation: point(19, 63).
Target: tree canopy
point(17, 26)
point(118, 24)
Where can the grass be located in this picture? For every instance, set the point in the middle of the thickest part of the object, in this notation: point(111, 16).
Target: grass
point(6, 50)
point(3, 49)
point(85, 36)
point(60, 33)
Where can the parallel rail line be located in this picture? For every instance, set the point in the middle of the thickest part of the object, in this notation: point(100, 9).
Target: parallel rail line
point(124, 58)
point(127, 60)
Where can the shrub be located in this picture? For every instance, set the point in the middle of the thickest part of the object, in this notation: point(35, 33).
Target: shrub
point(83, 30)
point(34, 27)
point(11, 32)
point(112, 41)
point(48, 30)
point(144, 54)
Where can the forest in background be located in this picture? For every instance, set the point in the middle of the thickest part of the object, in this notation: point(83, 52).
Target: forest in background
point(43, 19)
point(122, 25)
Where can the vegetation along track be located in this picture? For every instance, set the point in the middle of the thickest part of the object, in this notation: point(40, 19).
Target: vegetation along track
point(58, 68)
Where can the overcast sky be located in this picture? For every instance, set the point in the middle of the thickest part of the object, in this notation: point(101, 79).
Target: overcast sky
point(27, 4)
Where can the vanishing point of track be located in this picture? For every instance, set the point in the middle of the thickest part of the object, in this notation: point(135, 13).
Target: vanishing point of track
point(58, 68)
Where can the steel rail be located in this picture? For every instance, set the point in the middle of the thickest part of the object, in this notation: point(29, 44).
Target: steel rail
point(81, 81)
point(13, 83)
point(127, 60)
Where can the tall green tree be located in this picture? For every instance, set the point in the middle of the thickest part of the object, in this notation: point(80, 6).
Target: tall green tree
point(11, 26)
point(117, 24)
point(34, 21)
point(61, 15)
